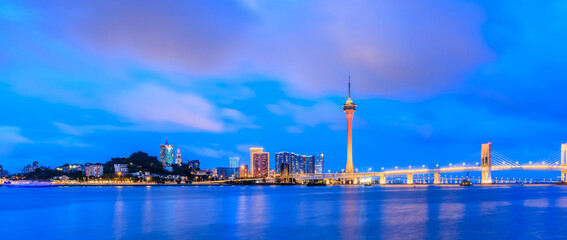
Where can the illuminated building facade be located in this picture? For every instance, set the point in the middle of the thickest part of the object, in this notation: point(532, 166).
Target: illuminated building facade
point(309, 164)
point(261, 163)
point(284, 172)
point(319, 161)
point(349, 107)
point(234, 162)
point(224, 173)
point(95, 170)
point(166, 153)
point(243, 173)
point(297, 163)
point(178, 158)
point(252, 152)
point(281, 158)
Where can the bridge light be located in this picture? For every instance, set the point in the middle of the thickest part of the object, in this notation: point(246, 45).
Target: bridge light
point(410, 166)
point(423, 166)
point(396, 167)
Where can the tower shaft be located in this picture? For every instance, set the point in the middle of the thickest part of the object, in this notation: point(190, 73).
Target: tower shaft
point(349, 165)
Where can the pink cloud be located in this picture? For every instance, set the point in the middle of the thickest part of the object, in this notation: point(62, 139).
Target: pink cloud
point(399, 49)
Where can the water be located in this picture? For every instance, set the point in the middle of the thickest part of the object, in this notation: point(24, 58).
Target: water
point(294, 212)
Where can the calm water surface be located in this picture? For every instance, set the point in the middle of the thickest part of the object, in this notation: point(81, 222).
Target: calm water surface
point(257, 212)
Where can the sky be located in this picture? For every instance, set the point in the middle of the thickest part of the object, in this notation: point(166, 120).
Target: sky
point(85, 81)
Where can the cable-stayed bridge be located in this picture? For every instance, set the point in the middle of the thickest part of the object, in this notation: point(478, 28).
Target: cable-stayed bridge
point(490, 161)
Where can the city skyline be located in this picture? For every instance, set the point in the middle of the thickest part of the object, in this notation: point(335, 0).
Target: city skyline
point(475, 74)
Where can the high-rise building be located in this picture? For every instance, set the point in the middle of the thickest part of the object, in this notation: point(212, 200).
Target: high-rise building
point(261, 162)
point(234, 162)
point(94, 170)
point(281, 158)
point(297, 165)
point(178, 159)
point(226, 173)
point(252, 151)
point(349, 108)
point(243, 171)
point(166, 153)
point(35, 164)
point(284, 172)
point(319, 161)
point(309, 164)
point(195, 164)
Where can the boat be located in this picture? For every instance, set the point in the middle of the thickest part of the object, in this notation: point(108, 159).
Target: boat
point(368, 184)
point(313, 184)
point(466, 182)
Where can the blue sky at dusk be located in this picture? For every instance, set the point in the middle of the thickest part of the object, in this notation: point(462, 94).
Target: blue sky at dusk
point(84, 81)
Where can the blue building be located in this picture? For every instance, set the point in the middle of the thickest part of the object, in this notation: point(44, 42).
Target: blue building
point(226, 173)
point(281, 158)
point(300, 164)
point(319, 160)
point(309, 164)
point(234, 162)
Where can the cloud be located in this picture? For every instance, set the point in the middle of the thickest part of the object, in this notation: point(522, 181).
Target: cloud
point(398, 49)
point(82, 130)
point(69, 142)
point(10, 137)
point(325, 112)
point(156, 104)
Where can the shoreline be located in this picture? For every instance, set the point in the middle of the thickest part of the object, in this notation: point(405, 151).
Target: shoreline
point(267, 185)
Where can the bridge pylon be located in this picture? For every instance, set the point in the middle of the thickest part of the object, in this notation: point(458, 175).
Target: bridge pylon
point(409, 179)
point(383, 179)
point(564, 162)
point(486, 162)
point(436, 178)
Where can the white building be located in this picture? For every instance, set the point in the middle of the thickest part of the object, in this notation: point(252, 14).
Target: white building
point(95, 170)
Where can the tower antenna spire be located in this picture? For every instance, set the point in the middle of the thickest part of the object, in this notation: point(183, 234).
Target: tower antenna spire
point(349, 85)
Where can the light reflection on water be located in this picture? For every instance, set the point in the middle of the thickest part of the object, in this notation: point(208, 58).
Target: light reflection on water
point(338, 212)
